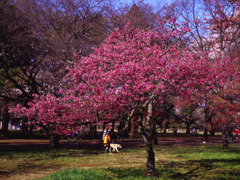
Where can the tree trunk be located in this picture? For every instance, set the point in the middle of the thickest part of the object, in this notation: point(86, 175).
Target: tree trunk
point(212, 133)
point(155, 140)
point(225, 140)
point(150, 156)
point(165, 128)
point(129, 127)
point(5, 120)
point(95, 130)
point(144, 121)
point(31, 130)
point(187, 129)
point(147, 137)
point(132, 131)
point(113, 126)
point(205, 134)
point(121, 126)
point(175, 131)
point(54, 140)
point(24, 127)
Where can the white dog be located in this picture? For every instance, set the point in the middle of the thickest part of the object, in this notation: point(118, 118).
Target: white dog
point(114, 147)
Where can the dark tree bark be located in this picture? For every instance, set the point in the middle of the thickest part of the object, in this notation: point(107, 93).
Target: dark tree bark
point(150, 155)
point(205, 135)
point(187, 129)
point(155, 140)
point(5, 120)
point(54, 140)
point(147, 137)
point(31, 129)
point(225, 140)
point(175, 131)
point(24, 126)
point(208, 119)
point(121, 126)
point(212, 133)
point(113, 126)
point(132, 130)
point(95, 130)
point(165, 128)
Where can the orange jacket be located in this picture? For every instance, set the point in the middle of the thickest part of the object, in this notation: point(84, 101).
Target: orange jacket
point(106, 139)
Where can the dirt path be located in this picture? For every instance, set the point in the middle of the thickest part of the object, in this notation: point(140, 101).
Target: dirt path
point(26, 144)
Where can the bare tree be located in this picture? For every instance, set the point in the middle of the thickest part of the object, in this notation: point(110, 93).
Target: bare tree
point(140, 15)
point(68, 30)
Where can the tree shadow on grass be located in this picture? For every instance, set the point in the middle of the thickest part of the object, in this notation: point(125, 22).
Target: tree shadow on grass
point(202, 169)
point(37, 159)
point(138, 173)
point(32, 150)
point(28, 167)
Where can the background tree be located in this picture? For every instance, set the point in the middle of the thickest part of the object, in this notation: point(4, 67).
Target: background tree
point(67, 29)
point(188, 116)
point(18, 51)
point(139, 14)
point(39, 39)
point(226, 98)
point(224, 27)
point(214, 27)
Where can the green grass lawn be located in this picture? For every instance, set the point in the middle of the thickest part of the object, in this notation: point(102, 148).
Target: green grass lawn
point(196, 162)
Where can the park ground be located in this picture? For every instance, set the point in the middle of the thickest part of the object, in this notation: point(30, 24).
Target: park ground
point(176, 158)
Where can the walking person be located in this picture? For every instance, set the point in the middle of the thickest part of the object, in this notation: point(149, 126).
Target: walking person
point(106, 138)
point(105, 131)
